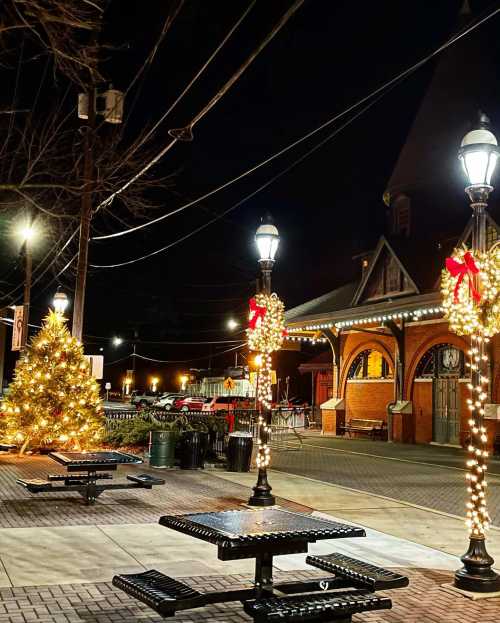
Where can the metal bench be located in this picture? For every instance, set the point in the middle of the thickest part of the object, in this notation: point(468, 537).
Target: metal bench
point(161, 593)
point(374, 428)
point(145, 480)
point(360, 574)
point(339, 606)
point(35, 485)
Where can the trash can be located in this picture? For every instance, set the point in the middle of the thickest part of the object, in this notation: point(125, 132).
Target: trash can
point(239, 452)
point(162, 448)
point(193, 449)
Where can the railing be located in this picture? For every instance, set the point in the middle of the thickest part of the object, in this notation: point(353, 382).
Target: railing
point(286, 424)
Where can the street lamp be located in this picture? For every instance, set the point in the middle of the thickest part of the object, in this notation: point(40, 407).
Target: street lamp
point(478, 154)
point(267, 240)
point(183, 378)
point(232, 324)
point(117, 341)
point(60, 303)
point(154, 384)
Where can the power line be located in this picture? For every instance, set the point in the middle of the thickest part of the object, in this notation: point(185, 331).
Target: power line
point(186, 133)
point(305, 137)
point(253, 193)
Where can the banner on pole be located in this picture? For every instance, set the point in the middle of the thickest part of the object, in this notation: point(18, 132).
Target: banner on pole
point(17, 328)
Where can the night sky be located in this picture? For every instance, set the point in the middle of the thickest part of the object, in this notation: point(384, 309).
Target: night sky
point(328, 208)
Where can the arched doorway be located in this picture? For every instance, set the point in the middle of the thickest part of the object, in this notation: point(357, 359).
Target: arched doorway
point(444, 365)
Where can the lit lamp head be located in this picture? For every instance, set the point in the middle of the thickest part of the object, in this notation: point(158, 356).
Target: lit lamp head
point(117, 341)
point(183, 381)
point(232, 324)
point(478, 154)
point(267, 239)
point(154, 383)
point(60, 302)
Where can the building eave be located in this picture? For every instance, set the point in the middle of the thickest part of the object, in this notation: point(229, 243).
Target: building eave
point(409, 305)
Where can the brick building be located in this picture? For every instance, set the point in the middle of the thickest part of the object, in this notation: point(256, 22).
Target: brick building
point(388, 341)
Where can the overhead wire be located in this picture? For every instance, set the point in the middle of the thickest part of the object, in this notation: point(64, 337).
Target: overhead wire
point(186, 132)
point(253, 193)
point(184, 92)
point(405, 73)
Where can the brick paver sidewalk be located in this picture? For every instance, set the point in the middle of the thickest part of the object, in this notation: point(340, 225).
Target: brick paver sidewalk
point(425, 601)
point(183, 492)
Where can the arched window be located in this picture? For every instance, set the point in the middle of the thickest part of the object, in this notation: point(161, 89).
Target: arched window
point(441, 360)
point(369, 364)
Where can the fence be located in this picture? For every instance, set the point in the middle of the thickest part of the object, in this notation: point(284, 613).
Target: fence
point(286, 422)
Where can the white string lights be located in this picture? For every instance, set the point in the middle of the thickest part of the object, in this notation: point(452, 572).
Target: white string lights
point(411, 314)
point(266, 331)
point(478, 519)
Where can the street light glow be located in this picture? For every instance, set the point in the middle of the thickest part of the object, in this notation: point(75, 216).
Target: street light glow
point(60, 302)
point(267, 239)
point(26, 232)
point(117, 341)
point(232, 324)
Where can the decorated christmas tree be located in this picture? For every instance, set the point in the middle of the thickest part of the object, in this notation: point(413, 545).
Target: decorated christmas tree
point(53, 400)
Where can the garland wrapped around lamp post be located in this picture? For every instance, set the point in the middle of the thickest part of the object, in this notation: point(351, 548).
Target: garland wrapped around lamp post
point(470, 287)
point(265, 333)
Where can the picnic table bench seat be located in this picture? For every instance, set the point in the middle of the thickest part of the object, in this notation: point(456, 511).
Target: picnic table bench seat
point(160, 592)
point(374, 428)
point(361, 574)
point(145, 480)
point(35, 485)
point(338, 606)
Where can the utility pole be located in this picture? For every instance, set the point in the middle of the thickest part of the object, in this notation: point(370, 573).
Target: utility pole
point(85, 218)
point(28, 263)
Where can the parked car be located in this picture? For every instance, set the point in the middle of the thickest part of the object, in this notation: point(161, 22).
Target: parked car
point(227, 403)
point(142, 399)
point(167, 400)
point(189, 403)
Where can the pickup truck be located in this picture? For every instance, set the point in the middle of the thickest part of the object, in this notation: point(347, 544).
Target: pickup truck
point(143, 398)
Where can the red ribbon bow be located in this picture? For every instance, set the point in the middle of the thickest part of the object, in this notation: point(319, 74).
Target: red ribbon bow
point(469, 269)
point(256, 312)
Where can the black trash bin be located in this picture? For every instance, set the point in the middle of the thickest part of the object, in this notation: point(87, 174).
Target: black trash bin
point(193, 449)
point(239, 452)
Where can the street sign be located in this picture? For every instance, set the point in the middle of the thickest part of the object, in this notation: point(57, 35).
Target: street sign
point(253, 378)
point(96, 365)
point(17, 328)
point(229, 383)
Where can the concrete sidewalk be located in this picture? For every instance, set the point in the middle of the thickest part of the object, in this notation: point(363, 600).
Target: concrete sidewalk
point(399, 535)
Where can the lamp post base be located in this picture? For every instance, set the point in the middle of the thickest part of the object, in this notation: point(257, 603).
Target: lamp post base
point(477, 575)
point(262, 495)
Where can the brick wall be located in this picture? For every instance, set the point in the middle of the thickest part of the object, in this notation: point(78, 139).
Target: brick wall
point(368, 400)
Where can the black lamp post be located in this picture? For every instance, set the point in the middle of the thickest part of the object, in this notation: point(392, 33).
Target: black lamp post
point(267, 240)
point(478, 153)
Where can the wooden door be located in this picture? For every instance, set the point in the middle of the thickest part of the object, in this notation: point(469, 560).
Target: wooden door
point(446, 411)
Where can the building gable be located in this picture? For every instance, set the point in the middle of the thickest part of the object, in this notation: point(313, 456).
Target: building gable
point(385, 278)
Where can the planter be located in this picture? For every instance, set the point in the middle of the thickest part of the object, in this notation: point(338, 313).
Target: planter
point(193, 449)
point(162, 448)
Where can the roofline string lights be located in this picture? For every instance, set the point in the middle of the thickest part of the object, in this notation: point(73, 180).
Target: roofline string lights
point(413, 315)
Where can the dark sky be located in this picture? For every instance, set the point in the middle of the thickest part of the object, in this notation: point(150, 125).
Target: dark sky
point(327, 209)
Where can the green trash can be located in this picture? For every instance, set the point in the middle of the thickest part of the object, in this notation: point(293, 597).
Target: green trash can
point(162, 448)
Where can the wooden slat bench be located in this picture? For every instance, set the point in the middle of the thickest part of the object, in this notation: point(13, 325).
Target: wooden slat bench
point(373, 428)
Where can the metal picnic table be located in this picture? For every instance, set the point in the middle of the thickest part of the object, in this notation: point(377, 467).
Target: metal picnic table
point(263, 534)
point(85, 469)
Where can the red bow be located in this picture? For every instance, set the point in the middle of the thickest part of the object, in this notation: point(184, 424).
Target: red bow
point(469, 268)
point(256, 312)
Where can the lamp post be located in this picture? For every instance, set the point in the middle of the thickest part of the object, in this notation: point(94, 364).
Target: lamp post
point(478, 154)
point(267, 240)
point(60, 303)
point(27, 234)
